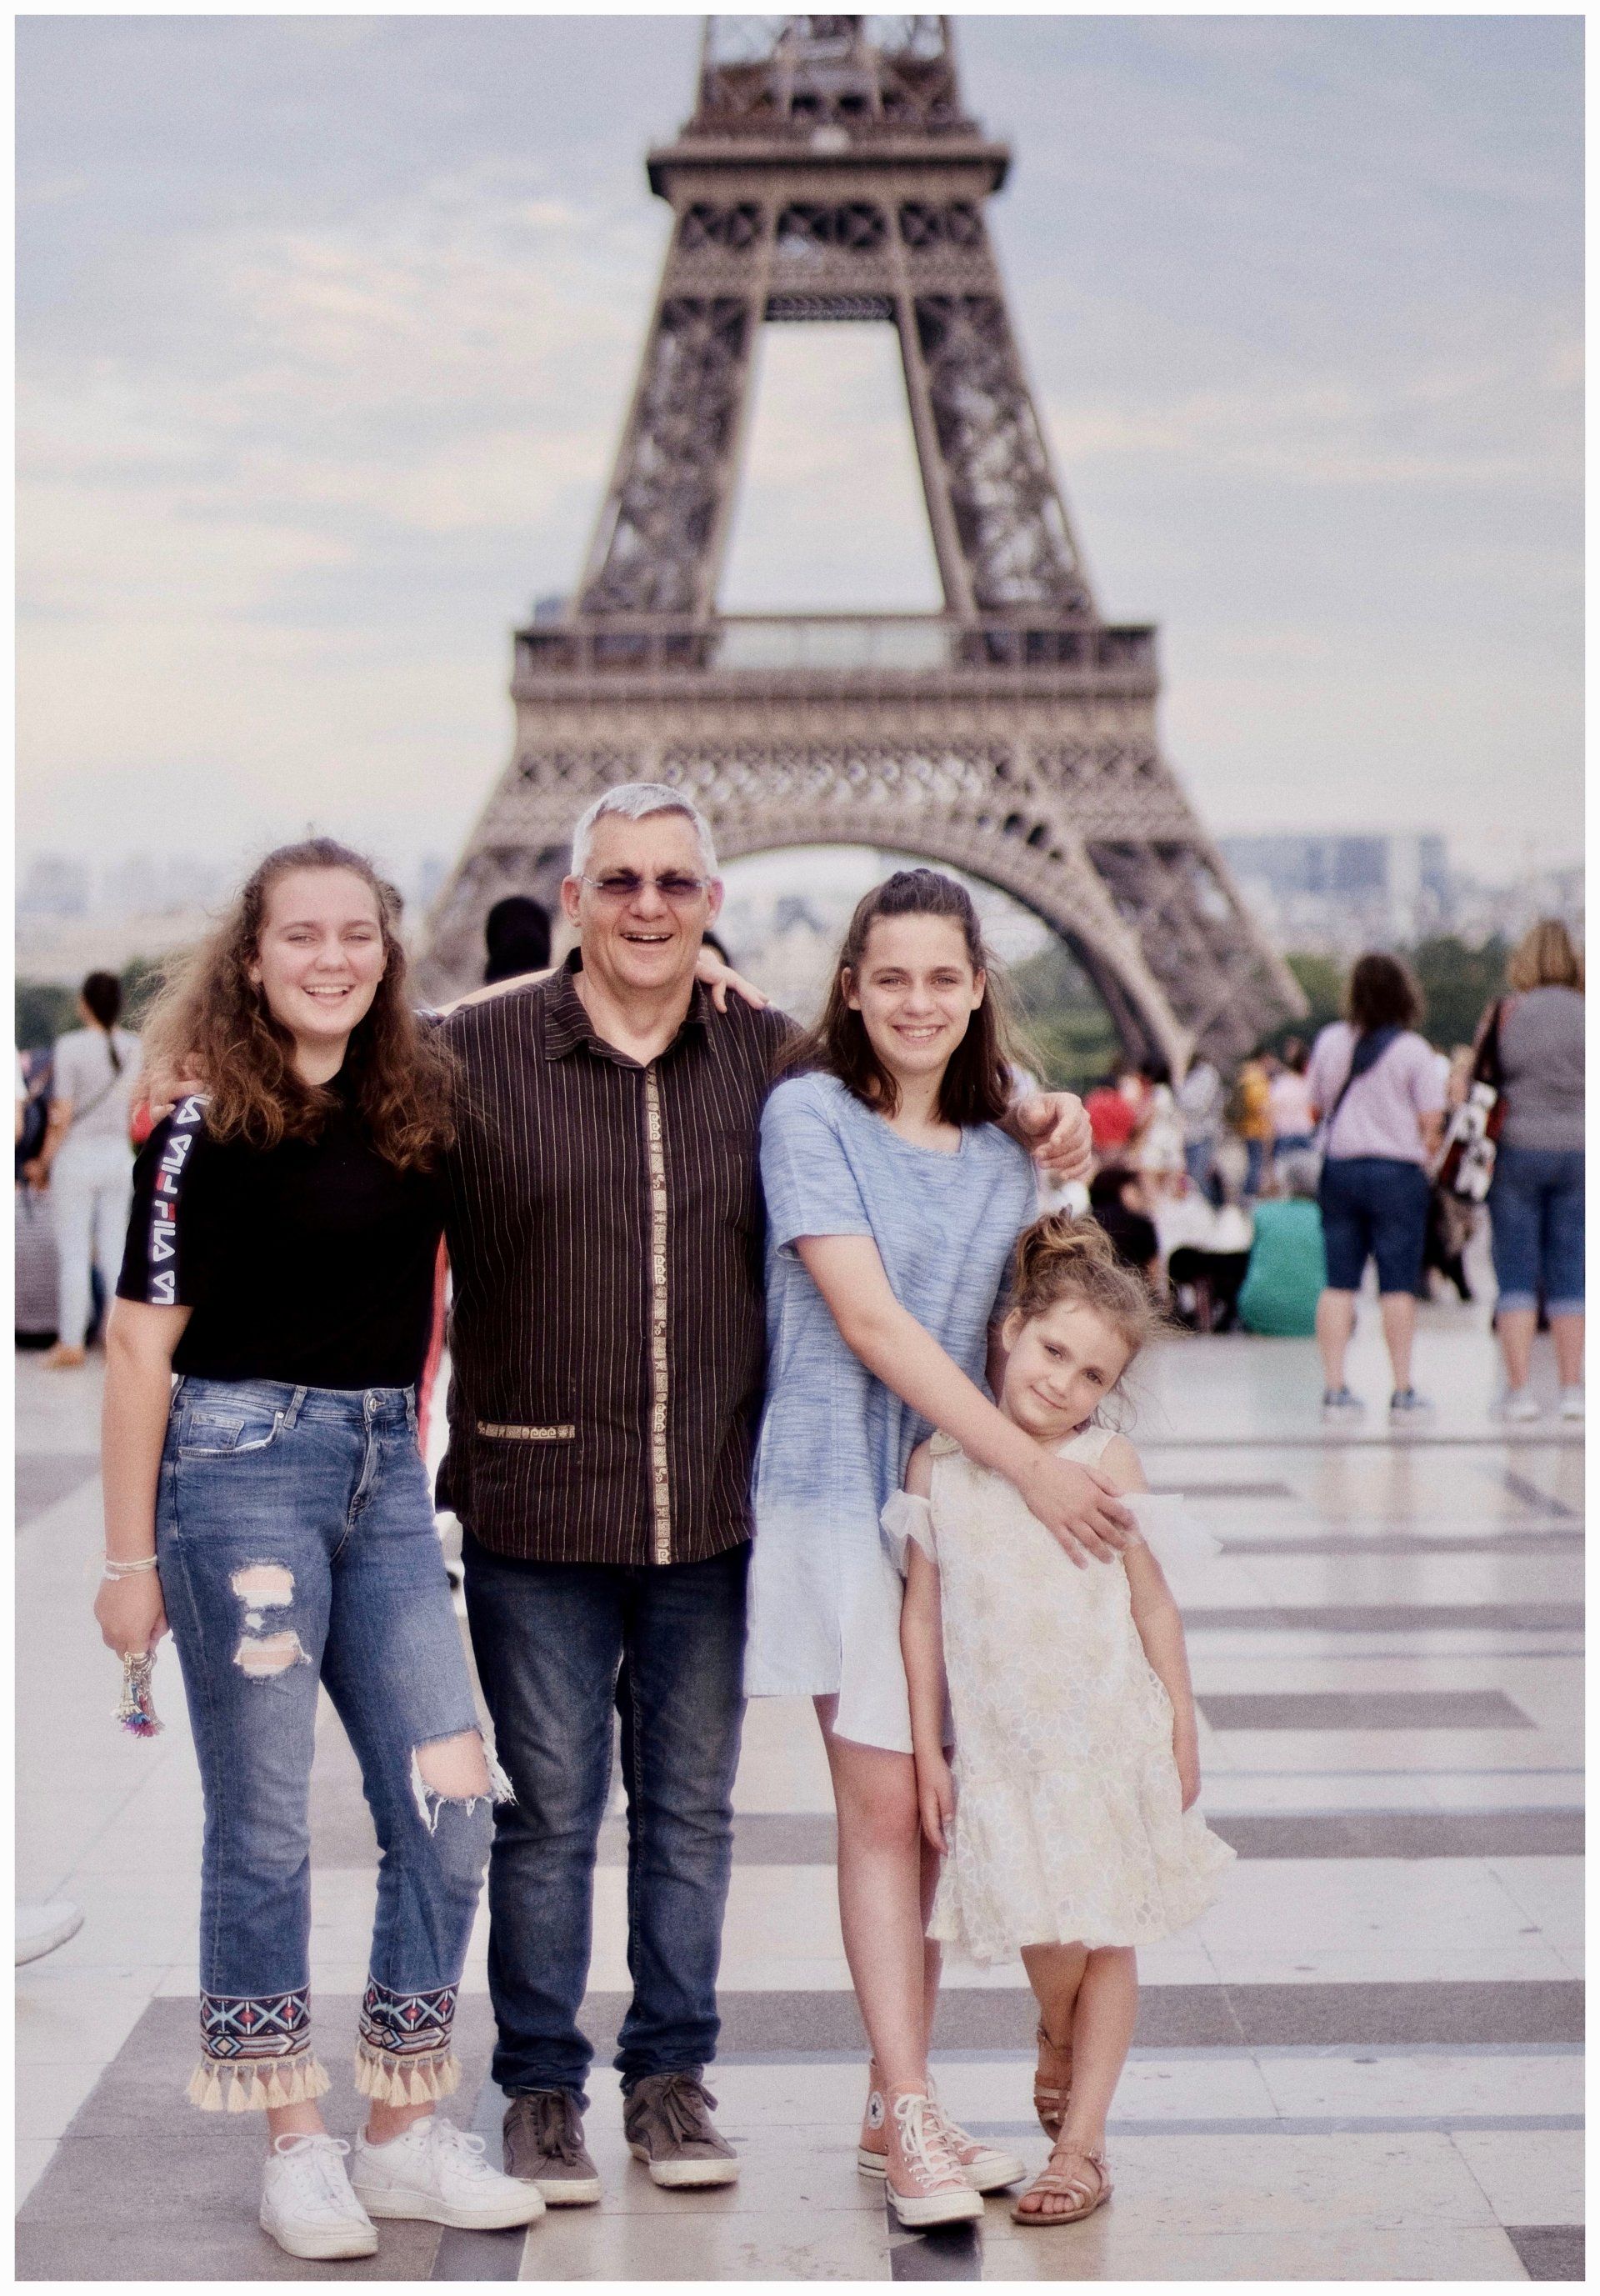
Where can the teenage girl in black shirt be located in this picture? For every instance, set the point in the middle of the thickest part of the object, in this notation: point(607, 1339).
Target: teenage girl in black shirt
point(273, 1507)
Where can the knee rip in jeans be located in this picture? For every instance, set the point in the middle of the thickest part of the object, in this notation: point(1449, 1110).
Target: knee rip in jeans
point(263, 1586)
point(459, 1772)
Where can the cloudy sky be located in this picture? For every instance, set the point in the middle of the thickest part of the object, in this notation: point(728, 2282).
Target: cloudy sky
point(327, 326)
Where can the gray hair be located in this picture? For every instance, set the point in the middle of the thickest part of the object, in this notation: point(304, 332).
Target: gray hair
point(635, 801)
point(1299, 1172)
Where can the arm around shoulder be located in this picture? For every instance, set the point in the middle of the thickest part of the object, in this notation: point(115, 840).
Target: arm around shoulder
point(1120, 1462)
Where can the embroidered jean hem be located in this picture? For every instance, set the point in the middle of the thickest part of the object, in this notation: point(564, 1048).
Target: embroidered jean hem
point(403, 2052)
point(298, 1552)
point(255, 2053)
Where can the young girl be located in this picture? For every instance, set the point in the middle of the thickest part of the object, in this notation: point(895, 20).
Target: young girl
point(272, 1503)
point(1068, 1825)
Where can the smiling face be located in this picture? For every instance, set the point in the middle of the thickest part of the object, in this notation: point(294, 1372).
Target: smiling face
point(319, 957)
point(1061, 1365)
point(916, 992)
point(644, 942)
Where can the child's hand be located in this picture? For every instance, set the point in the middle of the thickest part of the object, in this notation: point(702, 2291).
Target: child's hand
point(1186, 1752)
point(935, 1795)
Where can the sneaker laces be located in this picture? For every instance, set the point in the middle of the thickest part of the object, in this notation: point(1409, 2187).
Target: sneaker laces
point(953, 2134)
point(555, 2125)
point(924, 2143)
point(318, 2168)
point(459, 2149)
point(685, 2103)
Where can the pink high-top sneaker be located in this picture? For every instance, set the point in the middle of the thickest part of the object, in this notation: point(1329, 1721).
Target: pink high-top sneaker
point(985, 2170)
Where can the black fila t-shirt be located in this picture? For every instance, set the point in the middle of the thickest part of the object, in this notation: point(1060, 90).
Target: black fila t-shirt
point(311, 1262)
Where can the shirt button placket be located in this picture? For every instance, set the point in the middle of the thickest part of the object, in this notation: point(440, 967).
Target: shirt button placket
point(661, 1483)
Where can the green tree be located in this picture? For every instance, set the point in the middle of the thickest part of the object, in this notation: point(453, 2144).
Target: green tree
point(1068, 1032)
point(47, 1009)
point(45, 1012)
point(1322, 981)
point(1458, 982)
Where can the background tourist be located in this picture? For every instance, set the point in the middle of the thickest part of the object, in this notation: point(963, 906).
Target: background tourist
point(1288, 1268)
point(1113, 1113)
point(87, 1159)
point(1157, 1151)
point(1289, 1097)
point(1375, 1088)
point(1536, 1198)
point(516, 934)
point(1119, 1204)
point(1199, 1105)
point(1252, 1095)
point(1207, 1258)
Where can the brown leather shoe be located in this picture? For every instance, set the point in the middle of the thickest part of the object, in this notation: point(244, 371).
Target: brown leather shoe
point(542, 2139)
point(667, 2121)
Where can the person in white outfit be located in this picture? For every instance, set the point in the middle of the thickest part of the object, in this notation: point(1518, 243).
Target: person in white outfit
point(87, 1159)
point(1066, 1824)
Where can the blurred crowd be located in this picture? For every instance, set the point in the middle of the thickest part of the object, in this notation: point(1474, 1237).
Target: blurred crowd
point(1254, 1201)
point(1257, 1201)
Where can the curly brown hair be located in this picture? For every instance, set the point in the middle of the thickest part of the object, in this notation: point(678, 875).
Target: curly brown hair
point(211, 1022)
point(1060, 1257)
point(977, 1087)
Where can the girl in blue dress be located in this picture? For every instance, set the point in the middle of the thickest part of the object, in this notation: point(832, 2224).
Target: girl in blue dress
point(894, 1194)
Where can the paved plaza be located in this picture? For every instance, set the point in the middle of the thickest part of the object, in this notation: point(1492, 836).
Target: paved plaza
point(1364, 2063)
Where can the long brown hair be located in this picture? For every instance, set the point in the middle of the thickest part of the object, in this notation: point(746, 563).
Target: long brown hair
point(977, 1087)
point(1381, 994)
point(211, 1022)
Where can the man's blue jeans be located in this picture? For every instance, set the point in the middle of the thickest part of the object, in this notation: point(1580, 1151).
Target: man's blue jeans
point(561, 1648)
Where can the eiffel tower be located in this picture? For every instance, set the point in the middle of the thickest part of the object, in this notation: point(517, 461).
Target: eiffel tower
point(831, 172)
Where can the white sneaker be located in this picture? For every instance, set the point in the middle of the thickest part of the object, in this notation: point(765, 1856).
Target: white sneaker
point(306, 2203)
point(1518, 1407)
point(1572, 1403)
point(436, 2171)
point(40, 1929)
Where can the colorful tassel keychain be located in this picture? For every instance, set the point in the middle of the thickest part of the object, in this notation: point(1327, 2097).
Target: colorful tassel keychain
point(135, 1710)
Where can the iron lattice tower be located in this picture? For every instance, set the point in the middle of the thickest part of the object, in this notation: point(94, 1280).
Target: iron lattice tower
point(831, 172)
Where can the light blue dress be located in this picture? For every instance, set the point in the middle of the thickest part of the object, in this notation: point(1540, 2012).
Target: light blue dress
point(825, 1592)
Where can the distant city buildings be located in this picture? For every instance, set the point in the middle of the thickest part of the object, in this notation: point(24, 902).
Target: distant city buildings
point(1330, 894)
point(54, 888)
point(1337, 894)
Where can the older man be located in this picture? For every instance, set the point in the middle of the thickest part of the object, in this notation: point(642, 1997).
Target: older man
point(605, 1231)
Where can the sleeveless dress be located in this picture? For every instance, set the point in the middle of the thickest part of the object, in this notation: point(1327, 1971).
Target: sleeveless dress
point(1069, 1823)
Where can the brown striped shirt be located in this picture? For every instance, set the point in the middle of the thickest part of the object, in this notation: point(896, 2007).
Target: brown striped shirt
point(605, 1229)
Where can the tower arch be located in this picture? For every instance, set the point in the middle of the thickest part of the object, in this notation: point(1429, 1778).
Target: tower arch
point(832, 171)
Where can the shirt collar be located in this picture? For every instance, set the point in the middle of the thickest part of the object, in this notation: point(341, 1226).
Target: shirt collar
point(567, 1023)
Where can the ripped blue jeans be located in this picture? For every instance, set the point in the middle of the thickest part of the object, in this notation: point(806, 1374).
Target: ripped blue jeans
point(296, 1540)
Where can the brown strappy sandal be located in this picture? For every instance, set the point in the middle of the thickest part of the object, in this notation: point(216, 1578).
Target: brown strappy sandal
point(1070, 2185)
point(1052, 2082)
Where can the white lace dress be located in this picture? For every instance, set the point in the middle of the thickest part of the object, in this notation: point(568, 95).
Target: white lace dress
point(1069, 1823)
